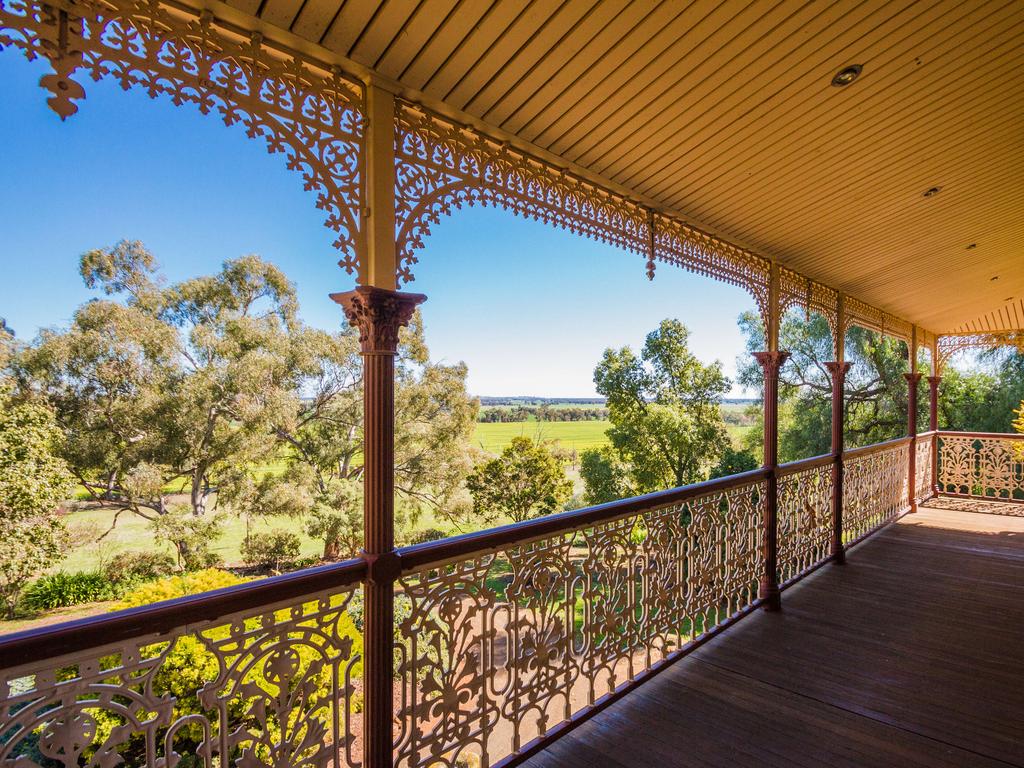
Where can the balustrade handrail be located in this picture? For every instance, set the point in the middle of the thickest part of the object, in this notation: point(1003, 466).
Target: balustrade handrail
point(982, 435)
point(478, 542)
point(867, 450)
point(166, 616)
point(800, 465)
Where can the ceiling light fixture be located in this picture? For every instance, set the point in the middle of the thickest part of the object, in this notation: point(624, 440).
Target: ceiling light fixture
point(932, 191)
point(994, 278)
point(972, 246)
point(846, 75)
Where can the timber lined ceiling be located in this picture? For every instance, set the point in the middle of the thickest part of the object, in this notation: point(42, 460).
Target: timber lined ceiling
point(724, 112)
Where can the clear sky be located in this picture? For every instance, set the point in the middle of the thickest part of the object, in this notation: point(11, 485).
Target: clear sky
point(528, 307)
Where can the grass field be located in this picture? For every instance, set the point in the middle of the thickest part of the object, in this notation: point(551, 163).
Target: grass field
point(130, 531)
point(574, 435)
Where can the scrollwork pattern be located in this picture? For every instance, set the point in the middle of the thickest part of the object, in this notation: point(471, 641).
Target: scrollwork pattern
point(805, 520)
point(982, 467)
point(260, 688)
point(311, 115)
point(874, 489)
point(499, 648)
point(923, 467)
point(441, 167)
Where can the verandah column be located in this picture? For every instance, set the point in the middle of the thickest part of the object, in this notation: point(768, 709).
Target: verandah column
point(912, 380)
point(378, 312)
point(838, 370)
point(933, 414)
point(771, 363)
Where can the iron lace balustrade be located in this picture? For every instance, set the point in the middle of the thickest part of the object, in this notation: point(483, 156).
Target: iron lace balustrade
point(505, 639)
point(805, 515)
point(256, 674)
point(508, 635)
point(981, 465)
point(874, 487)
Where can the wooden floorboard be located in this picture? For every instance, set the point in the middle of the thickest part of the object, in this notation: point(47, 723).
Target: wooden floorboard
point(912, 654)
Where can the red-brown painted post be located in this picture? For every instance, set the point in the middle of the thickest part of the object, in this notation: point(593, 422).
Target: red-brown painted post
point(378, 314)
point(838, 371)
point(771, 363)
point(912, 381)
point(933, 426)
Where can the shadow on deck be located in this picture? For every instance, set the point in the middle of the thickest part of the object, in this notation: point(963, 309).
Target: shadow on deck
point(912, 654)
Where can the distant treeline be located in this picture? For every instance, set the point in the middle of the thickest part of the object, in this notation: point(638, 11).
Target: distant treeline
point(519, 413)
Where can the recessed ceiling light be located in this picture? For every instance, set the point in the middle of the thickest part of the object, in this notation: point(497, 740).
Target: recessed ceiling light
point(846, 75)
point(932, 191)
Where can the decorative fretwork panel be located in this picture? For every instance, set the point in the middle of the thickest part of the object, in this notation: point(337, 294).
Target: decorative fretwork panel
point(442, 166)
point(805, 520)
point(923, 467)
point(795, 290)
point(990, 467)
point(311, 115)
point(498, 648)
point(949, 346)
point(874, 489)
point(271, 687)
point(873, 319)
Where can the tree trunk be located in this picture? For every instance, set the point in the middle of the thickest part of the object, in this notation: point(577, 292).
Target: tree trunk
point(198, 496)
point(332, 549)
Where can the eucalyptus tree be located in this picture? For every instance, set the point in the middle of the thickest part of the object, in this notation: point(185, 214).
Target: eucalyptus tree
point(322, 445)
point(665, 408)
point(162, 387)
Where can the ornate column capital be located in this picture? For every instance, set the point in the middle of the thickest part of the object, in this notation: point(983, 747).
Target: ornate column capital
point(912, 378)
point(771, 362)
point(378, 314)
point(934, 381)
point(838, 369)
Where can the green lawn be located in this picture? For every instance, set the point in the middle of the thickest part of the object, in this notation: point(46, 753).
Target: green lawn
point(131, 532)
point(577, 435)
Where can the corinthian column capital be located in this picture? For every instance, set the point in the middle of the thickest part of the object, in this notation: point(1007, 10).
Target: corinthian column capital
point(378, 314)
point(771, 362)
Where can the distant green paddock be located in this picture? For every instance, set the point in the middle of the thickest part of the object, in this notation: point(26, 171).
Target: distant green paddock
point(574, 435)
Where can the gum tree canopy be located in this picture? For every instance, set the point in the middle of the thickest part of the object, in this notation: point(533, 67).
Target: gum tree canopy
point(182, 391)
point(665, 408)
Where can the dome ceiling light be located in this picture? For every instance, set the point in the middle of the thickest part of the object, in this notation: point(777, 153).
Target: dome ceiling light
point(932, 191)
point(846, 75)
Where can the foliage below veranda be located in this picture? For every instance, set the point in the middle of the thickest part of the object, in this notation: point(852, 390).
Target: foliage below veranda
point(34, 480)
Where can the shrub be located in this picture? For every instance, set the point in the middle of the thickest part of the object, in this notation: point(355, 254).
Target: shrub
point(179, 586)
point(137, 567)
point(272, 549)
point(59, 590)
point(427, 534)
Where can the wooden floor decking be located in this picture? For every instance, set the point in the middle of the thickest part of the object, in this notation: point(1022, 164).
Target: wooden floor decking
point(912, 654)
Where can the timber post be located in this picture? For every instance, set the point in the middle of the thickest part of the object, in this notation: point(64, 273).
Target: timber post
point(912, 381)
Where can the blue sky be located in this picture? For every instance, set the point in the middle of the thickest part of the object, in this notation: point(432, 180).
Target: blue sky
point(528, 307)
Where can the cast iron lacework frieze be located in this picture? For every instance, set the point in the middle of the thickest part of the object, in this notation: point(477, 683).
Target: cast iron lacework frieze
point(313, 116)
point(442, 166)
point(269, 687)
point(496, 649)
